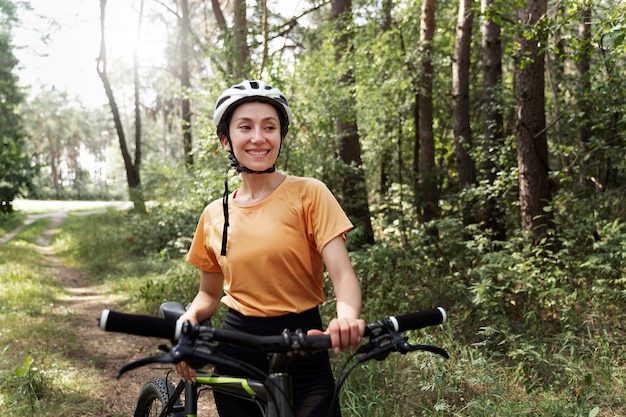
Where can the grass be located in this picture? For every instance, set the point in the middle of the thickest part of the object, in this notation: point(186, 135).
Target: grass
point(10, 222)
point(36, 374)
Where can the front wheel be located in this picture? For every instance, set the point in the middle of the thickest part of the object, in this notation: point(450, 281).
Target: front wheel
point(153, 398)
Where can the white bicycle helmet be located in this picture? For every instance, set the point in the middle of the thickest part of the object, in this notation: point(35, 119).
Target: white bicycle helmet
point(247, 91)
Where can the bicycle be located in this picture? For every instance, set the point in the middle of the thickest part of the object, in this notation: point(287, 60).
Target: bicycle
point(271, 390)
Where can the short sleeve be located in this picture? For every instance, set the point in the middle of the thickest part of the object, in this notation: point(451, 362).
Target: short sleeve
point(325, 219)
point(200, 254)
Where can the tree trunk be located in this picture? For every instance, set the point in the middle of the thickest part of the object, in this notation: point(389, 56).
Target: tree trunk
point(461, 104)
point(555, 72)
point(584, 90)
point(532, 146)
point(386, 153)
point(492, 216)
point(137, 162)
point(132, 169)
point(354, 189)
point(427, 192)
point(241, 68)
point(185, 82)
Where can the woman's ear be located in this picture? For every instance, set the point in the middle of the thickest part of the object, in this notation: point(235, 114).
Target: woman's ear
point(225, 143)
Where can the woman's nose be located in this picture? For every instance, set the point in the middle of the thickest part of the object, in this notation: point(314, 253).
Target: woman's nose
point(257, 135)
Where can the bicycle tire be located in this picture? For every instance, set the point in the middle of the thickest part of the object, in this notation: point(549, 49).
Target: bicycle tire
point(154, 396)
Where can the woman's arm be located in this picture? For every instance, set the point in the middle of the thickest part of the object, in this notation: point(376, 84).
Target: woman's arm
point(346, 331)
point(206, 301)
point(203, 306)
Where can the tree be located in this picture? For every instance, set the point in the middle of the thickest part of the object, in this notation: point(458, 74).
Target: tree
point(15, 170)
point(461, 101)
point(354, 189)
point(583, 64)
point(492, 218)
point(235, 41)
point(532, 145)
point(185, 81)
point(132, 165)
point(427, 191)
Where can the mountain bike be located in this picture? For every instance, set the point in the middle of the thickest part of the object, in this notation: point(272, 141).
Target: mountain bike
point(270, 390)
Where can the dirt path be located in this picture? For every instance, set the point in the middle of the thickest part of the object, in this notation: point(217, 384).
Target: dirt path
point(96, 349)
point(99, 350)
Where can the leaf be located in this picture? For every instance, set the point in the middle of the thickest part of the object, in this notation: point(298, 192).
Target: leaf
point(21, 371)
point(594, 412)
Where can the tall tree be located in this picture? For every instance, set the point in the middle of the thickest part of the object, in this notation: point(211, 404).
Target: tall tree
point(185, 80)
point(131, 165)
point(236, 57)
point(354, 189)
point(584, 90)
point(427, 189)
point(492, 115)
point(15, 170)
point(532, 145)
point(461, 101)
point(240, 39)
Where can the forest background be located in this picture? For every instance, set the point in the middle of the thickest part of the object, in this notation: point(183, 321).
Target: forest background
point(478, 147)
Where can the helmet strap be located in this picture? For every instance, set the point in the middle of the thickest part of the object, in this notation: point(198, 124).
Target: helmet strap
point(233, 164)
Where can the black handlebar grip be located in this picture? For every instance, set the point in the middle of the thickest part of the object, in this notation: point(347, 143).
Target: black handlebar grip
point(410, 321)
point(419, 320)
point(113, 321)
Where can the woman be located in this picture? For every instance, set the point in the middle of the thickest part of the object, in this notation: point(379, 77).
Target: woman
point(265, 247)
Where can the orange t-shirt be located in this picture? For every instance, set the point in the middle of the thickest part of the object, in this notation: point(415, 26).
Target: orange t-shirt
point(273, 263)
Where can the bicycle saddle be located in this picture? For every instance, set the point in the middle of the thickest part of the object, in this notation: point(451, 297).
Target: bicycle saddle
point(171, 310)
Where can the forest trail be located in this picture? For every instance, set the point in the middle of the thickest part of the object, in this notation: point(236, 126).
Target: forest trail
point(96, 350)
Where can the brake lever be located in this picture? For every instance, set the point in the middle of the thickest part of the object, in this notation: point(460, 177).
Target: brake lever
point(381, 346)
point(429, 348)
point(167, 358)
point(384, 343)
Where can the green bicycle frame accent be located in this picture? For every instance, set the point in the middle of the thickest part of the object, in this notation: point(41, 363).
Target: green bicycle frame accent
point(225, 382)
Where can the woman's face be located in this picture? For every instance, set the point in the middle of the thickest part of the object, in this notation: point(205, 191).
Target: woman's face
point(255, 135)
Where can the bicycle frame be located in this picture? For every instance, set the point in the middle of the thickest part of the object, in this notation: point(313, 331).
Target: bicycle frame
point(275, 395)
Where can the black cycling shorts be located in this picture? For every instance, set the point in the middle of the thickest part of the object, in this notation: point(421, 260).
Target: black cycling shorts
point(312, 378)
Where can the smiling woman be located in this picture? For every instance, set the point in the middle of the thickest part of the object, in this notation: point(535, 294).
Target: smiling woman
point(58, 43)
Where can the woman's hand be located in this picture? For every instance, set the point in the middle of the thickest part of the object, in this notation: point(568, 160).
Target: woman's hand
point(345, 334)
point(183, 370)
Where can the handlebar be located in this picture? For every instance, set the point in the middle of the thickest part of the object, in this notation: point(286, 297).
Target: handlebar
point(298, 341)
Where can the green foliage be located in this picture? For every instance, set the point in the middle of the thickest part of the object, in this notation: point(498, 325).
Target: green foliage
point(9, 222)
point(16, 173)
point(27, 386)
point(178, 200)
point(179, 283)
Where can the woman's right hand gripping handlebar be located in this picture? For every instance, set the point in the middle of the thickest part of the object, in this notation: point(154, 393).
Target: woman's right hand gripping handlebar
point(203, 307)
point(187, 373)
